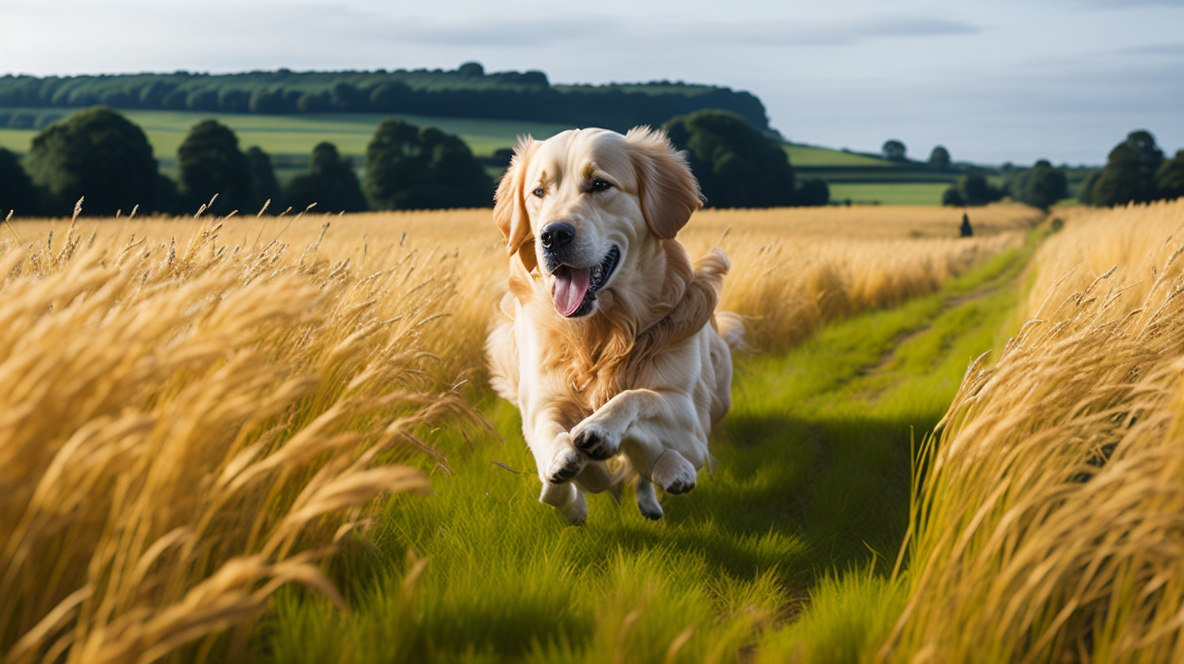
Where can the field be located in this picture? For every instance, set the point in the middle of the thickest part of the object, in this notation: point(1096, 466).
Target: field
point(881, 193)
point(809, 155)
point(217, 435)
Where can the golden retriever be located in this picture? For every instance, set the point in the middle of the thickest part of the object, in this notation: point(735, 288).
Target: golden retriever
point(610, 343)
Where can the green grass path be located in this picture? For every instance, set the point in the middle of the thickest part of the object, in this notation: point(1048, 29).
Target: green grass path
point(812, 482)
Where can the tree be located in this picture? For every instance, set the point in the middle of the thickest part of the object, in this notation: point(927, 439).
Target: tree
point(18, 194)
point(813, 192)
point(471, 70)
point(894, 150)
point(97, 154)
point(330, 183)
point(939, 159)
point(1086, 188)
point(266, 100)
point(1121, 181)
point(347, 97)
point(975, 190)
point(951, 196)
point(211, 163)
point(264, 186)
point(1169, 177)
point(1130, 172)
point(409, 168)
point(1150, 157)
point(1041, 186)
point(736, 165)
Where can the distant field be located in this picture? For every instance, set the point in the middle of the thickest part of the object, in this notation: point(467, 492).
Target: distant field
point(809, 155)
point(17, 140)
point(883, 193)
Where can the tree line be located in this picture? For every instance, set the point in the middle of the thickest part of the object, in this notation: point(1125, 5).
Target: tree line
point(1136, 171)
point(467, 91)
point(101, 155)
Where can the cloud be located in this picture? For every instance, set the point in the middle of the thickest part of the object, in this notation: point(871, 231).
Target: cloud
point(478, 31)
point(1129, 4)
point(518, 30)
point(1171, 48)
point(838, 32)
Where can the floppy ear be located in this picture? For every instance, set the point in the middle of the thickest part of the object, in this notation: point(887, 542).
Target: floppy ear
point(509, 207)
point(669, 192)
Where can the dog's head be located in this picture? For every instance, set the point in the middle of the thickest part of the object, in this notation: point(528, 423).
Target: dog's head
point(582, 205)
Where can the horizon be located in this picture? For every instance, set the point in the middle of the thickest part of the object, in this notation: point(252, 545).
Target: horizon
point(992, 84)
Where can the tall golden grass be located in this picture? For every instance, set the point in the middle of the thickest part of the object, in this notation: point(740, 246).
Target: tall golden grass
point(195, 412)
point(1050, 521)
point(793, 270)
point(796, 270)
point(184, 427)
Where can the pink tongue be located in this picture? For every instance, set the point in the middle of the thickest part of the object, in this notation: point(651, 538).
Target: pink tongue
point(570, 287)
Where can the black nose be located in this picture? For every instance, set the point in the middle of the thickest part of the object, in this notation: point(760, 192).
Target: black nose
point(557, 235)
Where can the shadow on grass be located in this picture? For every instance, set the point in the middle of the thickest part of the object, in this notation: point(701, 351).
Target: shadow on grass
point(792, 498)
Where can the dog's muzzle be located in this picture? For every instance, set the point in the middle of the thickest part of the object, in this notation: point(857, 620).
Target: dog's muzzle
point(574, 291)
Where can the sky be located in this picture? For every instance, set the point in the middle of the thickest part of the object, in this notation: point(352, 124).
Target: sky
point(999, 81)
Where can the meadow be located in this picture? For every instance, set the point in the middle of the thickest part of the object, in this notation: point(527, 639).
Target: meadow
point(888, 193)
point(214, 432)
point(812, 155)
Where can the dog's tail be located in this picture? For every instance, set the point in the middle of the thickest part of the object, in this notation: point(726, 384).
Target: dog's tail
point(729, 325)
point(710, 269)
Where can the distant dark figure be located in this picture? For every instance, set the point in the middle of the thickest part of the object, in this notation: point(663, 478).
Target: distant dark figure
point(967, 231)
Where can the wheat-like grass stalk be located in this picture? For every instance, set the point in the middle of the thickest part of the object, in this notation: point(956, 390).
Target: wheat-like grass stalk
point(184, 427)
point(1049, 523)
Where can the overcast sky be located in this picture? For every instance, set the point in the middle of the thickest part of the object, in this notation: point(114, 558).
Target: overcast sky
point(1009, 80)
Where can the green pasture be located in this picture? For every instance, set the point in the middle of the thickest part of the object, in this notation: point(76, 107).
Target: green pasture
point(810, 155)
point(17, 140)
point(888, 193)
point(784, 551)
point(863, 175)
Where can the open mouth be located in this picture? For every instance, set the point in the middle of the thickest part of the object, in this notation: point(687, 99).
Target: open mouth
point(575, 288)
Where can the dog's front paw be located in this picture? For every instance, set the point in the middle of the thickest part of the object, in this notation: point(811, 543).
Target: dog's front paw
point(674, 473)
point(566, 464)
point(596, 441)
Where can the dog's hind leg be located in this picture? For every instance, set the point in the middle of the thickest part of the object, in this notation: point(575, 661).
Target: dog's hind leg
point(674, 473)
point(647, 500)
point(597, 477)
point(567, 499)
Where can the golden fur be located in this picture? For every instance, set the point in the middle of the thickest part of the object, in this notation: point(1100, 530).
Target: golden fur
point(648, 365)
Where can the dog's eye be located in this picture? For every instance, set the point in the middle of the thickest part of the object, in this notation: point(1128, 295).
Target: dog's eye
point(540, 192)
point(600, 184)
